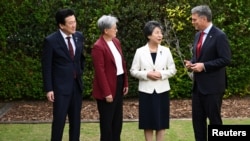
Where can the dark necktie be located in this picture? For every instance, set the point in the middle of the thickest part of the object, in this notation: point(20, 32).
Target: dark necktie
point(71, 51)
point(198, 49)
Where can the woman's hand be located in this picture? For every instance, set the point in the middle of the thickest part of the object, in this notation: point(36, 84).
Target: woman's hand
point(109, 98)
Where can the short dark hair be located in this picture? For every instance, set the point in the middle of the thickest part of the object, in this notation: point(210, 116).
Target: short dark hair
point(62, 14)
point(149, 28)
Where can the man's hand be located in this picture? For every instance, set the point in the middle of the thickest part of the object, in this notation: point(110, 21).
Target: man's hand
point(197, 67)
point(50, 96)
point(188, 64)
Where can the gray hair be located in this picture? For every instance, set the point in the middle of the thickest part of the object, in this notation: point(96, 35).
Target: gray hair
point(106, 22)
point(203, 10)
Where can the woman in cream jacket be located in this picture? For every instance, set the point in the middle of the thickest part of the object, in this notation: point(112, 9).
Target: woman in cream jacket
point(153, 65)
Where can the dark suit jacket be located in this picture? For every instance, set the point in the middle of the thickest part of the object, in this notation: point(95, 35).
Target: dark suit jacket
point(57, 66)
point(104, 82)
point(216, 55)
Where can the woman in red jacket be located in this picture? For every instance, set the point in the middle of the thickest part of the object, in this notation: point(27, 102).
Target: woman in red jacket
point(110, 79)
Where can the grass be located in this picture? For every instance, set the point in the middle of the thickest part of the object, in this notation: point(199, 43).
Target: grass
point(180, 130)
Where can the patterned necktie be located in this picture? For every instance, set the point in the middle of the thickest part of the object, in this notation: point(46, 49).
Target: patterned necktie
point(198, 49)
point(71, 51)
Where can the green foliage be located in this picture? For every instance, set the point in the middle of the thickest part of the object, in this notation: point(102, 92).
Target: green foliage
point(234, 20)
point(177, 21)
point(25, 23)
point(20, 76)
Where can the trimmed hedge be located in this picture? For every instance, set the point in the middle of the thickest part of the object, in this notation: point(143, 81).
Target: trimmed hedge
point(25, 23)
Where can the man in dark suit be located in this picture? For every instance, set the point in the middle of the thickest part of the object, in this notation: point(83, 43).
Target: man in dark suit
point(211, 55)
point(62, 67)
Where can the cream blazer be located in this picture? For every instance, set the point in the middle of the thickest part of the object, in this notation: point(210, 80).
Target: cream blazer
point(143, 63)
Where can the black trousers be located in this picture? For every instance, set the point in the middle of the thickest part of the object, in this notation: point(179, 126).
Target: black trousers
point(111, 114)
point(203, 107)
point(67, 105)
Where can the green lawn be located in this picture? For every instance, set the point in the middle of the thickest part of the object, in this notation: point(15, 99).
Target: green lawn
point(180, 130)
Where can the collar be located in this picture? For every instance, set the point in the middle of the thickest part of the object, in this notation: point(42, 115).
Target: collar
point(208, 28)
point(64, 35)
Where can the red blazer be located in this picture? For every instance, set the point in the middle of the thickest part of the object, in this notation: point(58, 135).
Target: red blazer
point(104, 82)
